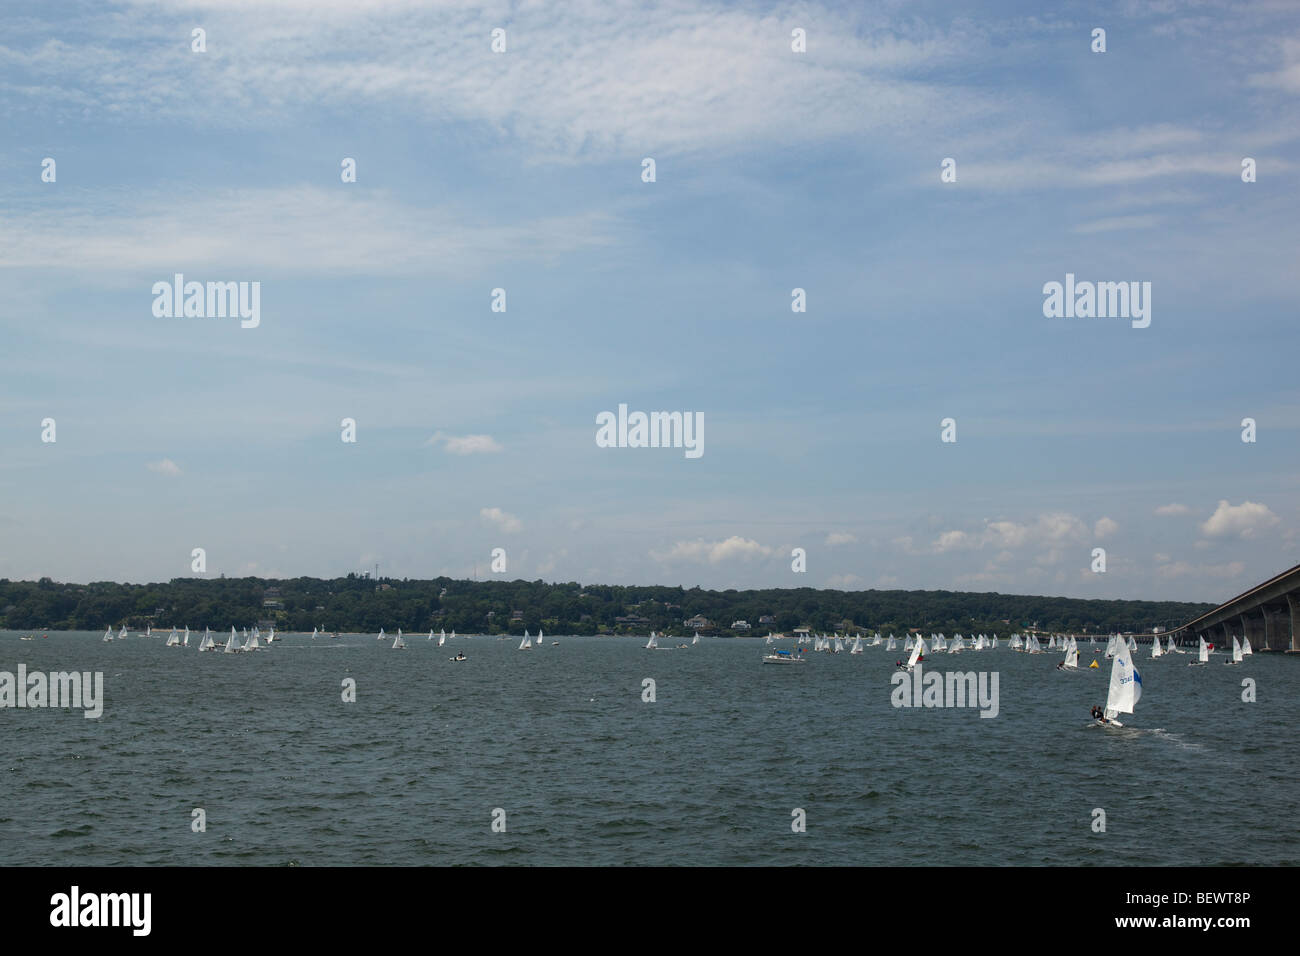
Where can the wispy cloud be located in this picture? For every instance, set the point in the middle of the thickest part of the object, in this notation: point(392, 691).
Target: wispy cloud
point(165, 467)
point(501, 519)
point(714, 552)
point(465, 444)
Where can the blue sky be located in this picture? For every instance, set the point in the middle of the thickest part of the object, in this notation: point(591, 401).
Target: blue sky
point(774, 170)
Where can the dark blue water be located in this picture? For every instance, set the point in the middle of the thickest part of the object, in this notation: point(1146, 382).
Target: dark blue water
point(588, 773)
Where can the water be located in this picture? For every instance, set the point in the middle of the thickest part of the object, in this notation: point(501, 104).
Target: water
point(588, 773)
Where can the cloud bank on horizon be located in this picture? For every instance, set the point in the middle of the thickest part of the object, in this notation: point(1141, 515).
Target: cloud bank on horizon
point(836, 257)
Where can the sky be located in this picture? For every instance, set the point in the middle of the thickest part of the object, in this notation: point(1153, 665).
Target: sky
point(774, 170)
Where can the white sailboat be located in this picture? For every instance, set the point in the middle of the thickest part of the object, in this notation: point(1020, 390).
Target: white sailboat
point(1155, 647)
point(232, 645)
point(1202, 654)
point(652, 644)
point(1236, 651)
point(1071, 662)
point(173, 639)
point(380, 636)
point(442, 638)
point(1245, 647)
point(121, 635)
point(875, 641)
point(696, 638)
point(892, 645)
point(915, 656)
point(1125, 686)
point(857, 645)
point(314, 632)
point(108, 635)
point(398, 643)
point(253, 643)
point(526, 643)
point(453, 633)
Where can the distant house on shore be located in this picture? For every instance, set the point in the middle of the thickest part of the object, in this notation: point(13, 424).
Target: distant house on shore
point(767, 619)
point(697, 621)
point(740, 625)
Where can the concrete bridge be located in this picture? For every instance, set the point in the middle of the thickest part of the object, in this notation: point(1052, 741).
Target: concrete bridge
point(1268, 614)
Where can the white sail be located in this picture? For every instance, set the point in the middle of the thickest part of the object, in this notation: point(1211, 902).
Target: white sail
point(398, 643)
point(232, 645)
point(857, 645)
point(1236, 650)
point(1125, 683)
point(108, 635)
point(1204, 652)
point(651, 644)
point(1071, 656)
point(839, 646)
point(253, 643)
point(917, 648)
point(769, 638)
point(875, 641)
point(442, 639)
point(453, 633)
point(1155, 647)
point(1245, 647)
point(380, 635)
point(121, 635)
point(892, 644)
point(696, 639)
point(526, 643)
point(173, 639)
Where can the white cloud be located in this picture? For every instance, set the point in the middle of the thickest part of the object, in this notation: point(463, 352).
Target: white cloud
point(840, 537)
point(276, 231)
point(1104, 528)
point(1242, 521)
point(1181, 569)
point(165, 467)
point(465, 444)
point(843, 582)
point(1049, 530)
point(682, 75)
point(505, 522)
point(714, 552)
point(1173, 509)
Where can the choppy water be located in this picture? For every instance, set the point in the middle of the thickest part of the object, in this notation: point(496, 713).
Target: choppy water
point(588, 773)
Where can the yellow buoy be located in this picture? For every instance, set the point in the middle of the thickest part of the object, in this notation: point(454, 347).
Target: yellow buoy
point(1093, 664)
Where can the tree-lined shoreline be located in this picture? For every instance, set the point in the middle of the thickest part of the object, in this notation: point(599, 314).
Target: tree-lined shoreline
point(359, 604)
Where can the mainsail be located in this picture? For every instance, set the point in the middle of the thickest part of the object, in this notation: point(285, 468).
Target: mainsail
point(1125, 683)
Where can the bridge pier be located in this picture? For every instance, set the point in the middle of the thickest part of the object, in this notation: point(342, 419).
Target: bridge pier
point(1252, 626)
point(1228, 630)
point(1277, 627)
point(1293, 603)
